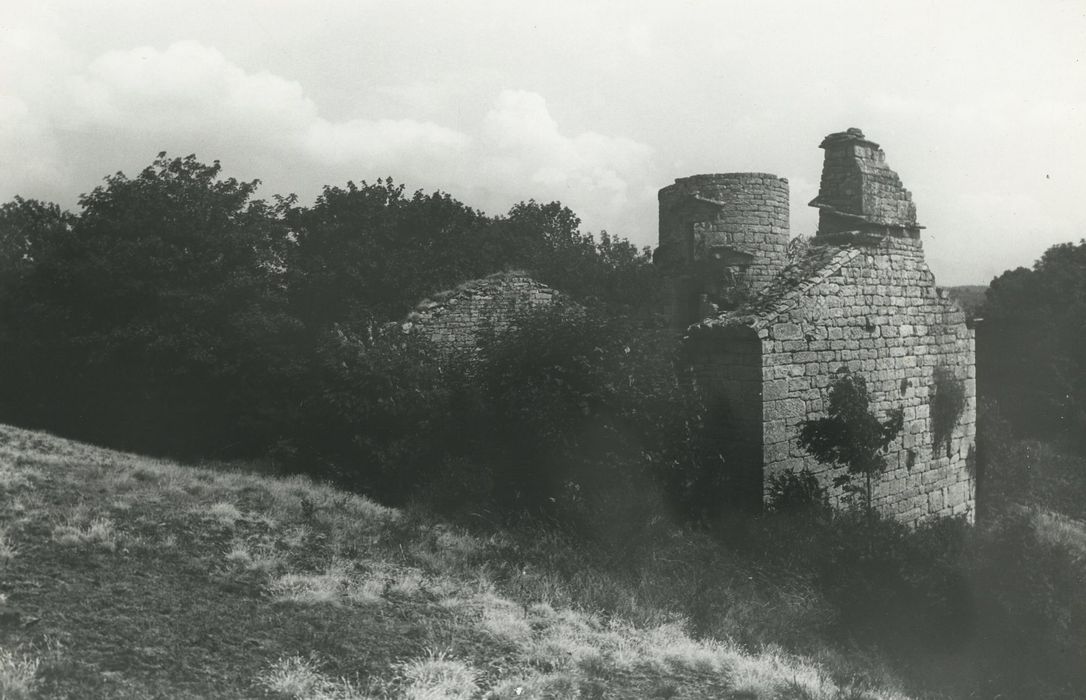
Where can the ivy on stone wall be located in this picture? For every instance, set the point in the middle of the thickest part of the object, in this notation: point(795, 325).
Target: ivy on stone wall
point(947, 404)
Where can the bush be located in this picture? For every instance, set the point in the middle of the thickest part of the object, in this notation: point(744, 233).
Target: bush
point(363, 412)
point(1024, 472)
point(540, 416)
point(797, 493)
point(1033, 607)
point(1029, 347)
point(575, 415)
point(1005, 599)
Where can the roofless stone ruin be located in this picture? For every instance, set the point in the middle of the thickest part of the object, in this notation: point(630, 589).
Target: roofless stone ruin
point(769, 322)
point(770, 325)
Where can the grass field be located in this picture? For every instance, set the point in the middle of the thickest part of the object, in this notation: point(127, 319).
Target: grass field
point(127, 577)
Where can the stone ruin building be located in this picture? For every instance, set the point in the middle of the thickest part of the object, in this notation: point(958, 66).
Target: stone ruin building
point(454, 320)
point(769, 322)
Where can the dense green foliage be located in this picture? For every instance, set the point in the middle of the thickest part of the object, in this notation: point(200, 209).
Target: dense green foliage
point(799, 493)
point(583, 416)
point(1030, 345)
point(368, 253)
point(152, 319)
point(177, 313)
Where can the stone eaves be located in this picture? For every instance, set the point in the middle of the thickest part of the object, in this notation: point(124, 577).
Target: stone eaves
point(786, 290)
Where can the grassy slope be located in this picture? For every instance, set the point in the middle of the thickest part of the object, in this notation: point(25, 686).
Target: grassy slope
point(127, 577)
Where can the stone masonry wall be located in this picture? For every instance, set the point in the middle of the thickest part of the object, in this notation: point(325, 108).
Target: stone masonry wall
point(878, 315)
point(859, 191)
point(722, 236)
point(453, 320)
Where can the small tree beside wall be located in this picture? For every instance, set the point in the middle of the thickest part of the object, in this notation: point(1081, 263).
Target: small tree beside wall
point(851, 436)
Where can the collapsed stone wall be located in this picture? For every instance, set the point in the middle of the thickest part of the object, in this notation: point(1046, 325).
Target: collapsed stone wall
point(722, 237)
point(455, 319)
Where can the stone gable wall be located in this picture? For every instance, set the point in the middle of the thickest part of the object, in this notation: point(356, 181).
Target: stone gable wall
point(453, 320)
point(879, 316)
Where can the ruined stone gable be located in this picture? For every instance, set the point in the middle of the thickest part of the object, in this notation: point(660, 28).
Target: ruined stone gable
point(861, 299)
point(454, 320)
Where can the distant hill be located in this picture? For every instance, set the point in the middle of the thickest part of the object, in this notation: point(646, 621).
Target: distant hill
point(970, 296)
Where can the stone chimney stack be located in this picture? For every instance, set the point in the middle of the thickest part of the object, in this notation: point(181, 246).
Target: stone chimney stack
point(859, 192)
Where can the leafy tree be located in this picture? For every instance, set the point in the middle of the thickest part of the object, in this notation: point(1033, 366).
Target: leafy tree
point(851, 436)
point(178, 313)
point(154, 322)
point(28, 228)
point(366, 253)
point(1030, 345)
point(611, 270)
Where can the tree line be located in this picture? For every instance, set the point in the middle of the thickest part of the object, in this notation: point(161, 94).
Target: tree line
point(1031, 346)
point(178, 313)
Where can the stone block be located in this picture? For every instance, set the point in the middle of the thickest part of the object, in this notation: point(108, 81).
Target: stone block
point(787, 331)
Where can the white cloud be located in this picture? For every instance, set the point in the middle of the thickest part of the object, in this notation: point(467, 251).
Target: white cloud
point(128, 105)
point(118, 109)
point(30, 157)
point(989, 99)
point(193, 89)
point(521, 146)
point(383, 140)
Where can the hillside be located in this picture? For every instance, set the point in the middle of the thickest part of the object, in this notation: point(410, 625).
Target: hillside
point(127, 577)
point(969, 296)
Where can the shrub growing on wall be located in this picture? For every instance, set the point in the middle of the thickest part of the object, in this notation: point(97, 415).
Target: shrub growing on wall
point(851, 436)
point(947, 403)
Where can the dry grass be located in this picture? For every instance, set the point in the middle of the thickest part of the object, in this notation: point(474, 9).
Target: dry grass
point(7, 548)
point(97, 532)
point(165, 580)
point(300, 678)
point(226, 514)
point(263, 558)
point(1055, 528)
point(330, 586)
point(437, 677)
point(17, 675)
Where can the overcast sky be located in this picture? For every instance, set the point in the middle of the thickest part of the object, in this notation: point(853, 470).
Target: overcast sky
point(979, 105)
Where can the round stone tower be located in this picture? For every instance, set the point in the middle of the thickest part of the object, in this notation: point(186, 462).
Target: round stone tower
point(722, 237)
